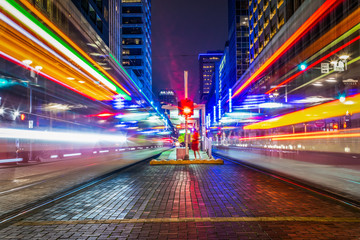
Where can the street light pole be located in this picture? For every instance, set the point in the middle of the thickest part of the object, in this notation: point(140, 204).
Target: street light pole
point(186, 157)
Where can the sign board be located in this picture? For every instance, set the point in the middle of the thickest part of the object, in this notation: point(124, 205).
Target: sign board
point(339, 66)
point(325, 67)
point(31, 124)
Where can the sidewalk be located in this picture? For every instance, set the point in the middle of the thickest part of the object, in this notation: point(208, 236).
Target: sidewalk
point(171, 155)
point(169, 158)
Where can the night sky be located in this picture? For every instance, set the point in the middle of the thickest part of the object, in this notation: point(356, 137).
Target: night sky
point(181, 29)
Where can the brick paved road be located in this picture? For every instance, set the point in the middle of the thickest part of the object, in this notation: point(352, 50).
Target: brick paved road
point(191, 202)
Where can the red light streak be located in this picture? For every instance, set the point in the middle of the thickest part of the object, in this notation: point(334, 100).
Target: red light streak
point(314, 64)
point(310, 135)
point(286, 135)
point(312, 20)
point(348, 135)
point(105, 115)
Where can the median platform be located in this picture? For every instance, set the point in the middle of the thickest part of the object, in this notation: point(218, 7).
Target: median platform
point(169, 158)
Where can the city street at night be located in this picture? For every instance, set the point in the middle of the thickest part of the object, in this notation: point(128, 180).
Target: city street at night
point(191, 202)
point(181, 119)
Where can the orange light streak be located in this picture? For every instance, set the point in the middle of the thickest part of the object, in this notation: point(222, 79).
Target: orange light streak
point(334, 33)
point(66, 38)
point(17, 46)
point(319, 13)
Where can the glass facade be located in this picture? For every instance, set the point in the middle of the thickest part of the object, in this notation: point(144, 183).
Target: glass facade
point(136, 39)
point(206, 69)
point(303, 90)
point(238, 38)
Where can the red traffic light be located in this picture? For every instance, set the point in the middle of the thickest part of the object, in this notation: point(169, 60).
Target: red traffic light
point(22, 117)
point(186, 107)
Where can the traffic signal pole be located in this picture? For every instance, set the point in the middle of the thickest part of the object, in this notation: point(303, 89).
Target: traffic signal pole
point(186, 117)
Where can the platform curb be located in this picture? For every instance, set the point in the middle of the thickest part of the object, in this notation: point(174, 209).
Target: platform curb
point(186, 162)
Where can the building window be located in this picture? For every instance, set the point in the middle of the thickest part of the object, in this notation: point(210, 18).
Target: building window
point(92, 14)
point(132, 51)
point(132, 41)
point(132, 20)
point(132, 30)
point(131, 1)
point(99, 23)
point(132, 10)
point(138, 72)
point(99, 4)
point(45, 4)
point(85, 5)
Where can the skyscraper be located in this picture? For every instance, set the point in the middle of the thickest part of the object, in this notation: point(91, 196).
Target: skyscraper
point(238, 38)
point(206, 70)
point(266, 17)
point(136, 39)
point(97, 14)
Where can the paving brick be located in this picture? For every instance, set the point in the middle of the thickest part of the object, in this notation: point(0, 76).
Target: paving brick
point(212, 197)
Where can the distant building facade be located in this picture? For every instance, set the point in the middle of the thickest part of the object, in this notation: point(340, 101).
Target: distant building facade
point(96, 12)
point(206, 70)
point(238, 23)
point(136, 39)
point(266, 17)
point(167, 97)
point(115, 28)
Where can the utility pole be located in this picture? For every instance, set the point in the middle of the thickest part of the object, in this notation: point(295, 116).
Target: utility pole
point(186, 117)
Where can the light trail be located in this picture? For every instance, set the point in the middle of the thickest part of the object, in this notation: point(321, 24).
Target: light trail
point(29, 21)
point(322, 111)
point(58, 31)
point(313, 64)
point(306, 27)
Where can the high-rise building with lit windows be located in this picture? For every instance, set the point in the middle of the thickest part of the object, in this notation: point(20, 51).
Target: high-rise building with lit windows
point(266, 17)
point(136, 39)
point(167, 96)
point(206, 70)
point(238, 23)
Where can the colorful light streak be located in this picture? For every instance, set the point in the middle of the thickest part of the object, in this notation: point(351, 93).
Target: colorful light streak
point(313, 64)
point(348, 135)
point(309, 135)
point(78, 137)
point(58, 31)
point(341, 31)
point(36, 41)
point(9, 58)
point(286, 135)
point(312, 20)
point(17, 51)
point(320, 77)
point(32, 23)
point(132, 80)
point(323, 111)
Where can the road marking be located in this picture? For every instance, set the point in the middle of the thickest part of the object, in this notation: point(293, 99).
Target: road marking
point(206, 219)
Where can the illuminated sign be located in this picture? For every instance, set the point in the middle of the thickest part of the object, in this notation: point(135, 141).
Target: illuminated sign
point(230, 100)
point(214, 114)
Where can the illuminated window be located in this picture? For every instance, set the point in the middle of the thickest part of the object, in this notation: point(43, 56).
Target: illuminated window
point(131, 1)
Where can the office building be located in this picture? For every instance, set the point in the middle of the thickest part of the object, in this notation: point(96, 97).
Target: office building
point(168, 97)
point(266, 17)
point(96, 12)
point(238, 24)
point(136, 39)
point(206, 70)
